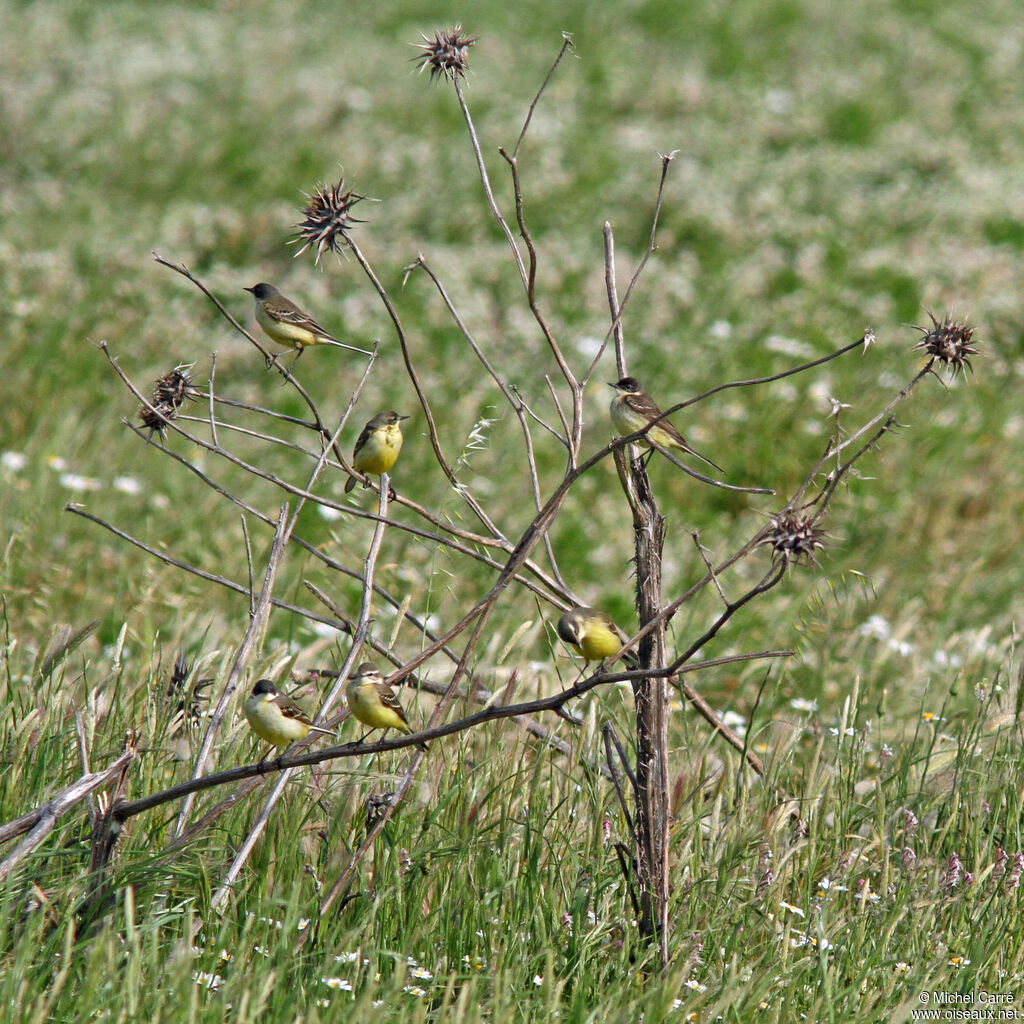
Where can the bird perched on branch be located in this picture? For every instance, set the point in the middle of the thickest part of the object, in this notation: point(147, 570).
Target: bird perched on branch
point(277, 718)
point(593, 634)
point(378, 446)
point(632, 409)
point(286, 325)
point(374, 703)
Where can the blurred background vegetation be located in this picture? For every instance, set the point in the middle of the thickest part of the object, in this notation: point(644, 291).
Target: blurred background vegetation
point(837, 167)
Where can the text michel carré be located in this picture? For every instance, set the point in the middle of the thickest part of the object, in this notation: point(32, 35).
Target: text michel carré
point(972, 997)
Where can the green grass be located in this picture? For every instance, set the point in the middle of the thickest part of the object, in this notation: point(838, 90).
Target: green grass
point(837, 168)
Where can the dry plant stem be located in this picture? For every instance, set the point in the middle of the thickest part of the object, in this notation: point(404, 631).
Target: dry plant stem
point(573, 456)
point(567, 44)
point(697, 475)
point(770, 579)
point(362, 627)
point(180, 268)
point(366, 602)
point(613, 305)
point(518, 406)
point(222, 581)
point(341, 883)
point(493, 542)
point(838, 447)
point(611, 738)
point(420, 393)
point(83, 757)
point(483, 696)
point(41, 821)
point(255, 435)
point(207, 445)
point(250, 566)
point(106, 831)
point(650, 696)
point(488, 192)
point(531, 535)
point(210, 401)
point(528, 538)
point(252, 638)
point(527, 276)
point(273, 414)
point(710, 568)
point(609, 269)
point(821, 500)
point(651, 699)
point(861, 342)
point(238, 588)
point(709, 714)
point(127, 809)
point(627, 866)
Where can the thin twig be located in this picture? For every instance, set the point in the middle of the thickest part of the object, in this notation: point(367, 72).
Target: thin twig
point(253, 635)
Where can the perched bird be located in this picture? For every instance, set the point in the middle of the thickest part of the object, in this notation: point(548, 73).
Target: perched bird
point(275, 717)
point(286, 325)
point(593, 634)
point(377, 447)
point(632, 409)
point(374, 703)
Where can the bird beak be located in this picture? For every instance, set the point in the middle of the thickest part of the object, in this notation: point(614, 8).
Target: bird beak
point(615, 385)
point(402, 418)
point(251, 290)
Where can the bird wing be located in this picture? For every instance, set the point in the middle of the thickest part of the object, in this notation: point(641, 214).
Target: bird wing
point(610, 623)
point(389, 700)
point(291, 314)
point(650, 410)
point(363, 438)
point(647, 408)
point(291, 710)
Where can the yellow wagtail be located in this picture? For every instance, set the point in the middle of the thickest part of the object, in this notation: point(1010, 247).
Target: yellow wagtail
point(374, 703)
point(632, 409)
point(378, 446)
point(592, 633)
point(286, 325)
point(275, 717)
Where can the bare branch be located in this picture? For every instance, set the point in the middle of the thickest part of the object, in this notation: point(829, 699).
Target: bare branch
point(252, 638)
point(41, 821)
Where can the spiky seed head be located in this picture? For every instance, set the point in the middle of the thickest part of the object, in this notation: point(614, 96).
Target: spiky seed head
point(327, 219)
point(174, 387)
point(156, 418)
point(447, 54)
point(794, 537)
point(169, 393)
point(187, 704)
point(949, 342)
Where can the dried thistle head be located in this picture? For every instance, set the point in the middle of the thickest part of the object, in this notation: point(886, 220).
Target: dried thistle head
point(949, 342)
point(156, 418)
point(188, 702)
point(173, 388)
point(447, 54)
point(327, 219)
point(794, 537)
point(169, 393)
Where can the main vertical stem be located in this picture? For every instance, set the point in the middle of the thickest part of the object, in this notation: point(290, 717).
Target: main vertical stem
point(650, 698)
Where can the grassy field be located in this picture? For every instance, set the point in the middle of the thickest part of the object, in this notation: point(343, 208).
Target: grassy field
point(836, 168)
